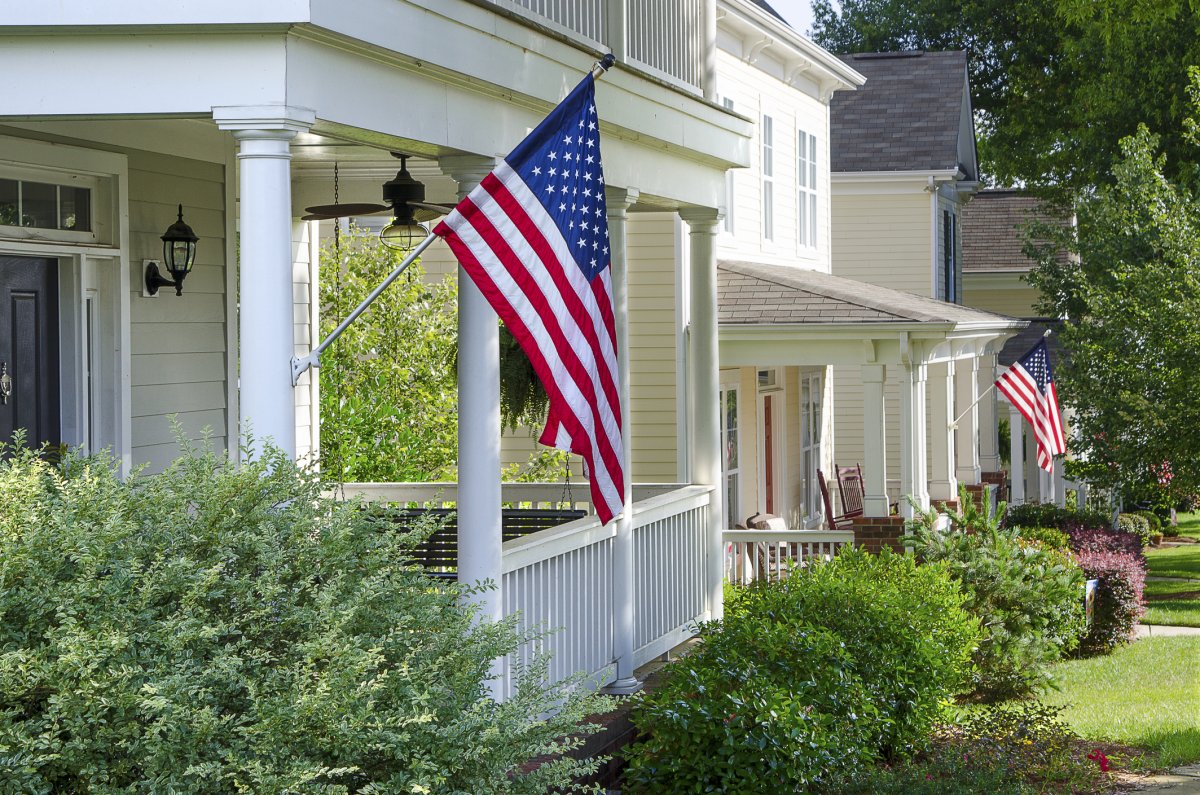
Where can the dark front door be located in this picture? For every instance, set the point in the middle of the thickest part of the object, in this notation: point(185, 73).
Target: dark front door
point(29, 396)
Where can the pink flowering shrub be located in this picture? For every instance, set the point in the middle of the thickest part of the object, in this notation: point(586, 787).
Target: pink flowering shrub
point(1099, 539)
point(1122, 577)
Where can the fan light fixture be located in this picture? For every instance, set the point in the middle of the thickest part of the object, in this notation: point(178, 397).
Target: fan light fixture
point(179, 255)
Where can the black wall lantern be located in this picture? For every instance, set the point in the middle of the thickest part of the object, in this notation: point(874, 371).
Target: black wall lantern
point(179, 254)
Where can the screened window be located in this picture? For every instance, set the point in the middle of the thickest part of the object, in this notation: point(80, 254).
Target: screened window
point(950, 256)
point(730, 466)
point(806, 189)
point(810, 444)
point(44, 205)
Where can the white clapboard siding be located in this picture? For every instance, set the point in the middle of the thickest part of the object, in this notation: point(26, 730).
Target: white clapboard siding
point(305, 329)
point(848, 419)
point(884, 240)
point(179, 361)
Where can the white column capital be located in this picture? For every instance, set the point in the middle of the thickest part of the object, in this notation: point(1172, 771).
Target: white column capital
point(262, 121)
point(701, 219)
point(467, 170)
point(618, 200)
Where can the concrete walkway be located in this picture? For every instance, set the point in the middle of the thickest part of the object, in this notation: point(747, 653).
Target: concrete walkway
point(1163, 631)
point(1180, 781)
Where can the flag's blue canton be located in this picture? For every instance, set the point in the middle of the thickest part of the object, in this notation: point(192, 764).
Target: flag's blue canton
point(1037, 364)
point(560, 162)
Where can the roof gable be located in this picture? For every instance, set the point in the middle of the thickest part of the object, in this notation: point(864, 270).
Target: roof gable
point(908, 117)
point(993, 230)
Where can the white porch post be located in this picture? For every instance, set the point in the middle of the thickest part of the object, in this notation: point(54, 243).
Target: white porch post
point(874, 441)
point(705, 386)
point(479, 537)
point(1058, 482)
point(617, 201)
point(267, 331)
point(943, 484)
point(969, 432)
point(989, 444)
point(1016, 460)
point(912, 436)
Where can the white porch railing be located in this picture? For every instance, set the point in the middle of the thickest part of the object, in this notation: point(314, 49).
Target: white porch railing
point(561, 579)
point(666, 38)
point(770, 554)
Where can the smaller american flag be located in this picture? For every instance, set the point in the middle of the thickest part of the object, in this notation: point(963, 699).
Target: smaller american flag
point(1029, 385)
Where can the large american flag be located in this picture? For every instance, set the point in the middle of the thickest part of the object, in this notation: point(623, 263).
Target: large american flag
point(1029, 385)
point(533, 236)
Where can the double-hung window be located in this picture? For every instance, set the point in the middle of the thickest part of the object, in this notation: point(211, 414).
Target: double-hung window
point(768, 178)
point(806, 189)
point(730, 468)
point(727, 224)
point(810, 444)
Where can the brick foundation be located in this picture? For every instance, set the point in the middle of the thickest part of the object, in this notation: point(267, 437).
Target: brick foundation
point(876, 532)
point(999, 479)
point(946, 506)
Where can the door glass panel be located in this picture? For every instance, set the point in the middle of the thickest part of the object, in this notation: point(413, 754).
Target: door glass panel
point(39, 205)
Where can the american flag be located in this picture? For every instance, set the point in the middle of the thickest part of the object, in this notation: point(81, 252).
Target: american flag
point(533, 236)
point(1029, 385)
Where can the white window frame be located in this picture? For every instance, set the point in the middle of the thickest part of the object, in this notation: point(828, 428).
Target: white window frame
point(767, 171)
point(807, 193)
point(731, 476)
point(730, 188)
point(812, 409)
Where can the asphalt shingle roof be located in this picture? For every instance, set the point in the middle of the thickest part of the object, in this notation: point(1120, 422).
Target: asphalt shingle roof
point(906, 117)
point(765, 6)
point(992, 230)
point(750, 293)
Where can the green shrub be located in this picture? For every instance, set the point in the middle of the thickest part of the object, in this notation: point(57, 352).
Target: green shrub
point(1036, 514)
point(759, 707)
point(1156, 521)
point(881, 639)
point(1029, 599)
point(1136, 524)
point(1119, 592)
point(219, 629)
point(1048, 537)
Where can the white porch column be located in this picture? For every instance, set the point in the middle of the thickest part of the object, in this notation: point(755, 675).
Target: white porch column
point(968, 437)
point(989, 444)
point(705, 386)
point(943, 484)
point(1016, 460)
point(479, 537)
point(912, 436)
point(1058, 482)
point(267, 330)
point(617, 201)
point(874, 463)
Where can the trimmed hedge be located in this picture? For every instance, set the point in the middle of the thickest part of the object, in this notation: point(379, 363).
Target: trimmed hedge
point(1096, 539)
point(1036, 514)
point(1137, 525)
point(1122, 577)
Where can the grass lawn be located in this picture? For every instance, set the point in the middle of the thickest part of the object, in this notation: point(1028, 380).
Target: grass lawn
point(1175, 603)
point(1180, 561)
point(1146, 694)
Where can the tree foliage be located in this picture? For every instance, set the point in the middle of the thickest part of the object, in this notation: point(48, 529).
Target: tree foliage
point(1054, 84)
point(1132, 323)
point(388, 394)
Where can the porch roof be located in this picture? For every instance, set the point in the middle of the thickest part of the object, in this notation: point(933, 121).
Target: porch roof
point(758, 294)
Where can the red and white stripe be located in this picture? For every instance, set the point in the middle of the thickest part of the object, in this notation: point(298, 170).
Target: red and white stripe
point(1040, 411)
point(515, 253)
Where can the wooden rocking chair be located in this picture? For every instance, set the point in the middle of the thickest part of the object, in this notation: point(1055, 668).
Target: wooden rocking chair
point(835, 522)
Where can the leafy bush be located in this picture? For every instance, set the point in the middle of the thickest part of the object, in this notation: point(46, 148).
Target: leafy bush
point(891, 639)
point(1155, 521)
point(1037, 514)
point(759, 707)
point(1013, 748)
point(1122, 577)
point(1097, 539)
point(222, 628)
point(1048, 537)
point(1029, 599)
point(1135, 524)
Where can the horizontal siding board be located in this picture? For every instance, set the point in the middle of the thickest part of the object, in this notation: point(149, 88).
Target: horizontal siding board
point(161, 429)
point(173, 398)
point(183, 368)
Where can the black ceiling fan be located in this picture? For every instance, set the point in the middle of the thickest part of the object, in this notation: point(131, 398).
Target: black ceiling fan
point(403, 196)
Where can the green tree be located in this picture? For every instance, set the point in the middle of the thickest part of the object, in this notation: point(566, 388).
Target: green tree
point(1132, 323)
point(388, 395)
point(1054, 84)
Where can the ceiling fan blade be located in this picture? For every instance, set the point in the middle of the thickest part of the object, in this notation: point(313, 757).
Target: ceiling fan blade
point(323, 212)
point(427, 211)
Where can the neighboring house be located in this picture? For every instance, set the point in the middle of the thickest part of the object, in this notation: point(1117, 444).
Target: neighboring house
point(903, 165)
point(117, 113)
point(994, 267)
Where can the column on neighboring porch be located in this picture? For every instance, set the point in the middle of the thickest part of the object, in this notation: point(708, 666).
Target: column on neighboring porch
point(1058, 482)
point(1016, 459)
point(704, 385)
point(617, 202)
point(874, 463)
point(912, 435)
point(266, 330)
point(479, 529)
point(967, 440)
point(989, 440)
point(943, 484)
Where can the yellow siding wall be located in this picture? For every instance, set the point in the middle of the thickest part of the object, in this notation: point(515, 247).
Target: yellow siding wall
point(178, 343)
point(1016, 299)
point(883, 240)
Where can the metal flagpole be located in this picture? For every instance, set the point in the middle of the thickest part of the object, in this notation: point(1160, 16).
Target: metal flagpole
point(301, 363)
point(983, 394)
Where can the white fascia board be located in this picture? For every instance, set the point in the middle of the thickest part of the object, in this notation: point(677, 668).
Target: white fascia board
point(113, 14)
point(788, 45)
point(472, 48)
